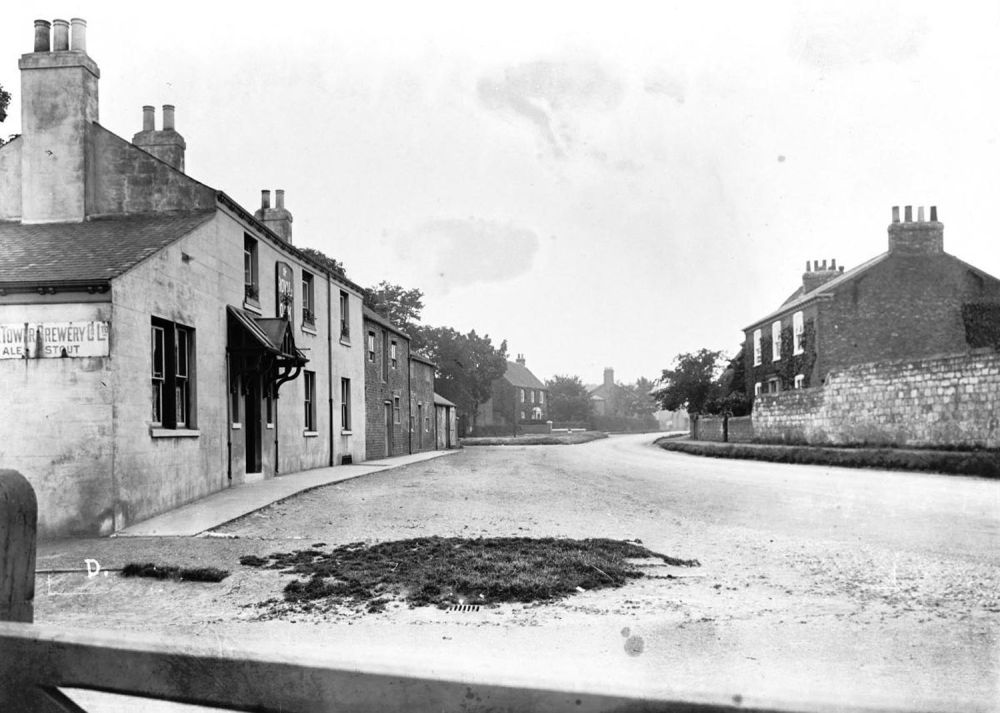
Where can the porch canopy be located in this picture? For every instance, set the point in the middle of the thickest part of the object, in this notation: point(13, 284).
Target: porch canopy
point(265, 347)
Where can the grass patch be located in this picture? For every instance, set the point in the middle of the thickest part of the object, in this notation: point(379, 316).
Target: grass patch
point(444, 571)
point(982, 463)
point(536, 439)
point(181, 574)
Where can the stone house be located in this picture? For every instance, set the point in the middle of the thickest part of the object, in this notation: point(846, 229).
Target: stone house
point(387, 387)
point(423, 419)
point(912, 301)
point(516, 396)
point(158, 342)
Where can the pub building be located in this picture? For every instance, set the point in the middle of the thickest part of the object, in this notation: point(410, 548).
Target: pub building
point(158, 342)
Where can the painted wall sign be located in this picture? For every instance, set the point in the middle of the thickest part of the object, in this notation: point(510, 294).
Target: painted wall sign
point(285, 289)
point(54, 340)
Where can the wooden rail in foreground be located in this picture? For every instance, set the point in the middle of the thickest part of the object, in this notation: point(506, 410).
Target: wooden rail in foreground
point(36, 661)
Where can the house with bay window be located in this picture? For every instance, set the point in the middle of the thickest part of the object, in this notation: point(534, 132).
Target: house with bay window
point(158, 342)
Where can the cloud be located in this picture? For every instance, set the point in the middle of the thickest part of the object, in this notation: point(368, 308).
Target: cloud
point(662, 83)
point(882, 33)
point(548, 94)
point(457, 252)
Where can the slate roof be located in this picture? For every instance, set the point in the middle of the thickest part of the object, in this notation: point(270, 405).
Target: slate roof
point(518, 375)
point(799, 298)
point(94, 250)
point(421, 358)
point(374, 316)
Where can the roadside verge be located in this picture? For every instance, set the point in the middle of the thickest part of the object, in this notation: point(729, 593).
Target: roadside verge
point(985, 463)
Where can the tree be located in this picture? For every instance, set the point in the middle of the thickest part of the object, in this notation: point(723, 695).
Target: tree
point(637, 400)
point(568, 399)
point(399, 305)
point(467, 364)
point(4, 103)
point(691, 383)
point(334, 266)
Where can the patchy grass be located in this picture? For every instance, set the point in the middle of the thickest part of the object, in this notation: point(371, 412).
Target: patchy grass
point(537, 439)
point(186, 574)
point(444, 571)
point(982, 463)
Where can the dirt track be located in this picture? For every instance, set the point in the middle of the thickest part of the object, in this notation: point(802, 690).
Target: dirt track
point(817, 584)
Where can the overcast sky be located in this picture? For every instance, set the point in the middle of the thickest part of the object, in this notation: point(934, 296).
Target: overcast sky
point(601, 185)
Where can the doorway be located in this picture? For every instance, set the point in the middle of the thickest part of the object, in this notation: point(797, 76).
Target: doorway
point(251, 423)
point(388, 428)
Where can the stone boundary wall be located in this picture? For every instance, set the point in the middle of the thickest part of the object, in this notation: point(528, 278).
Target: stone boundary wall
point(945, 401)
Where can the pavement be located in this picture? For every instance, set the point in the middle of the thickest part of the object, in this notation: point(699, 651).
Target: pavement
point(235, 502)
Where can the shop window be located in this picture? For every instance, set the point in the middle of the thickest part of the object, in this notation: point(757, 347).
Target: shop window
point(310, 400)
point(251, 281)
point(308, 300)
point(172, 352)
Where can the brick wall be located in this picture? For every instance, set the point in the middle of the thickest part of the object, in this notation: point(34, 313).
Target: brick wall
point(422, 436)
point(714, 428)
point(379, 391)
point(939, 401)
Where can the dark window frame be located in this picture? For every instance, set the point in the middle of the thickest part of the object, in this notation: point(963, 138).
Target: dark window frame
point(309, 400)
point(251, 269)
point(172, 375)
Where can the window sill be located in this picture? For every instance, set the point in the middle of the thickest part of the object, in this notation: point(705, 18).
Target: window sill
point(346, 432)
point(310, 434)
point(346, 341)
point(269, 426)
point(253, 306)
point(157, 432)
point(236, 426)
point(310, 329)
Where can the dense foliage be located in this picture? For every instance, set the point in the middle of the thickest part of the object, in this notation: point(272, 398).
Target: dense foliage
point(399, 305)
point(691, 383)
point(334, 266)
point(568, 399)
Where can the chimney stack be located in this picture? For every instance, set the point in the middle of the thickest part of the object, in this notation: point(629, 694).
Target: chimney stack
point(277, 219)
point(520, 359)
point(609, 376)
point(166, 144)
point(58, 105)
point(819, 275)
point(920, 237)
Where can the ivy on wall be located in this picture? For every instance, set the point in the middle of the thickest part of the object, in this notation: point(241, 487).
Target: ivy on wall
point(790, 365)
point(982, 324)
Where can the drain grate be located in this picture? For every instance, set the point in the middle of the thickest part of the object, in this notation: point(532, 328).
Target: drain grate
point(463, 607)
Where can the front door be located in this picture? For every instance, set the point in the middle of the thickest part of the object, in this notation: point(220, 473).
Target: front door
point(251, 422)
point(388, 428)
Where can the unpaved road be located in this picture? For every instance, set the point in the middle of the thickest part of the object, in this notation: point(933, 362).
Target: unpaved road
point(818, 584)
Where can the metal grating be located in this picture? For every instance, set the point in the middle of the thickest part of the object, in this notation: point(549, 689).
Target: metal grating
point(464, 607)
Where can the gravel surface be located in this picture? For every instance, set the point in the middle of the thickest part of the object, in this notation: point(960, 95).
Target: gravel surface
point(817, 584)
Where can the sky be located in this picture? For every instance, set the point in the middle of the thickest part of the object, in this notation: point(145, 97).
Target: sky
point(602, 185)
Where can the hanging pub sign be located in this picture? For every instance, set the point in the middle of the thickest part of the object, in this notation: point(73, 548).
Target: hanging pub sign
point(285, 289)
point(54, 340)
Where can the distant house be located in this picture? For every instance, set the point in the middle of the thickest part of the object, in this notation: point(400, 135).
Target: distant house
point(912, 301)
point(447, 423)
point(518, 396)
point(606, 399)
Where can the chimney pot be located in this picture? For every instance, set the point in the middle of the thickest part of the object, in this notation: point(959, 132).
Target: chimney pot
point(920, 214)
point(908, 214)
point(833, 263)
point(895, 214)
point(265, 199)
point(42, 32)
point(807, 266)
point(824, 265)
point(148, 118)
point(934, 213)
point(841, 268)
point(78, 40)
point(279, 198)
point(60, 36)
point(168, 117)
point(815, 265)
